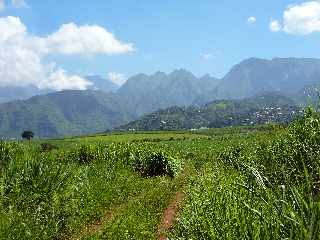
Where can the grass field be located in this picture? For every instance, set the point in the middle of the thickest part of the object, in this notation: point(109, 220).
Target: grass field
point(236, 183)
point(127, 137)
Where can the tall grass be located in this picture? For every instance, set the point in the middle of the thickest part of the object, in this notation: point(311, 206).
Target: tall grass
point(53, 194)
point(259, 190)
point(241, 184)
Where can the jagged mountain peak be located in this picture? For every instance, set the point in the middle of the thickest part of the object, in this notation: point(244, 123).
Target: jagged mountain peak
point(181, 73)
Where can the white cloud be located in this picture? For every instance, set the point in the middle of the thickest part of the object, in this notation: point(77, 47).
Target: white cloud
point(11, 28)
point(20, 66)
point(117, 78)
point(302, 19)
point(207, 56)
point(73, 39)
point(60, 80)
point(275, 26)
point(2, 5)
point(252, 20)
point(19, 3)
point(22, 55)
point(212, 54)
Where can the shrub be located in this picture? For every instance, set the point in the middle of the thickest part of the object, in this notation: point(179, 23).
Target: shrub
point(155, 163)
point(47, 147)
point(87, 153)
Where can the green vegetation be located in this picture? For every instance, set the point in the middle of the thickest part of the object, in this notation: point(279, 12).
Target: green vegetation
point(262, 109)
point(62, 113)
point(267, 189)
point(253, 182)
point(27, 135)
point(54, 194)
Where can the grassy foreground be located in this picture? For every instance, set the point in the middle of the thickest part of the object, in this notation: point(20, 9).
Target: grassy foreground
point(240, 183)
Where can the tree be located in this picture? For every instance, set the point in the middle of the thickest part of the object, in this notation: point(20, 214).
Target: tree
point(27, 135)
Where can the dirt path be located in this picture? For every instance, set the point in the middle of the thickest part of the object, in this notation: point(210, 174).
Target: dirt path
point(168, 218)
point(169, 215)
point(97, 226)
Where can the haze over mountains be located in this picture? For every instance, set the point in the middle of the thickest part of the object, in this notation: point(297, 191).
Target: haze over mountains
point(83, 112)
point(254, 76)
point(102, 84)
point(11, 93)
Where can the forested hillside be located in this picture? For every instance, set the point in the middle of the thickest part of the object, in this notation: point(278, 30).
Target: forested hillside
point(62, 113)
point(267, 108)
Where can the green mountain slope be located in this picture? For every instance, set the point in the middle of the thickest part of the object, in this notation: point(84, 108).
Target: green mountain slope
point(271, 107)
point(62, 113)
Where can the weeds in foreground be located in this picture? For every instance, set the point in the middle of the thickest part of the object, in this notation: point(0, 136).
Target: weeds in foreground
point(259, 190)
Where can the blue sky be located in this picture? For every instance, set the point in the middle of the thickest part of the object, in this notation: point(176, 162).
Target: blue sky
point(205, 36)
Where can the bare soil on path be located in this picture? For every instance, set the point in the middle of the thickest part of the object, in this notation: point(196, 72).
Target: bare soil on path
point(95, 227)
point(170, 214)
point(167, 221)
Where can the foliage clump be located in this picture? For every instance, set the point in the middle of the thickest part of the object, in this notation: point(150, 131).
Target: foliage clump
point(87, 153)
point(156, 163)
point(145, 159)
point(47, 147)
point(27, 135)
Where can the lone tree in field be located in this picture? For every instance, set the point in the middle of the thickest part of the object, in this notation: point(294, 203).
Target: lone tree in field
point(27, 135)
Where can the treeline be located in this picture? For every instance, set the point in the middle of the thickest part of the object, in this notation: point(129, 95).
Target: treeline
point(268, 108)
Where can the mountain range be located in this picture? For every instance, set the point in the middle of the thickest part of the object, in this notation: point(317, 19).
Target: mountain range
point(11, 93)
point(143, 94)
point(249, 78)
point(254, 76)
point(102, 84)
point(83, 112)
point(62, 113)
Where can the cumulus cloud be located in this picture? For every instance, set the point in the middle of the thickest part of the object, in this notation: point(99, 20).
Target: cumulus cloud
point(302, 19)
point(117, 78)
point(207, 56)
point(58, 79)
point(11, 29)
point(73, 39)
point(252, 20)
point(275, 26)
point(22, 55)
